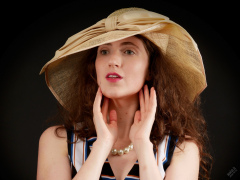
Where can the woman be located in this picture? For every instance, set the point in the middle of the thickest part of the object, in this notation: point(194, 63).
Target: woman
point(129, 87)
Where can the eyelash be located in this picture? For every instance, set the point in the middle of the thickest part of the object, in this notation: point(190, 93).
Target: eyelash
point(101, 52)
point(130, 52)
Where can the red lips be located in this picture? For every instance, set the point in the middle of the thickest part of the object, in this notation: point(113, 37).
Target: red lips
point(113, 77)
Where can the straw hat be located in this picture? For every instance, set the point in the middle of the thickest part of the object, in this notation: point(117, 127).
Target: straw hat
point(173, 40)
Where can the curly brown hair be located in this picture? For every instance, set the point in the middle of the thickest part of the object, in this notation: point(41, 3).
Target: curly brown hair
point(176, 115)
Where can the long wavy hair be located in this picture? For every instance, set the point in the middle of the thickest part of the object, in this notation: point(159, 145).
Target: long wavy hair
point(176, 115)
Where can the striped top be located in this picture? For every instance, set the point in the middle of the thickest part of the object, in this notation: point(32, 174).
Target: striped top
point(79, 151)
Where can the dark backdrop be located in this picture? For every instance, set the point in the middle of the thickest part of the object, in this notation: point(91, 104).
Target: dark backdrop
point(32, 32)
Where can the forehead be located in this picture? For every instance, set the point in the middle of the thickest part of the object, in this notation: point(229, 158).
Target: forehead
point(127, 41)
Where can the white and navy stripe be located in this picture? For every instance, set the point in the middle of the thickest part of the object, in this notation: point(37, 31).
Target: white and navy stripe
point(79, 151)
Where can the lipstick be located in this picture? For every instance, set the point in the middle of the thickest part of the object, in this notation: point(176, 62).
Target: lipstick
point(113, 77)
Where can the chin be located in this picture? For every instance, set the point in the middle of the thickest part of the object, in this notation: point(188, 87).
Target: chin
point(119, 95)
point(111, 94)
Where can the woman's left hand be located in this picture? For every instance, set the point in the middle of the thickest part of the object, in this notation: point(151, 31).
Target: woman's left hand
point(144, 118)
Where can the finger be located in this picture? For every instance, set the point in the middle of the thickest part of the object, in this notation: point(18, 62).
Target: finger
point(105, 109)
point(113, 117)
point(97, 114)
point(146, 96)
point(141, 99)
point(152, 103)
point(97, 101)
point(151, 111)
point(137, 117)
point(153, 99)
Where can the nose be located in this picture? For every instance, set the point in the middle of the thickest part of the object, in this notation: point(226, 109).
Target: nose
point(115, 60)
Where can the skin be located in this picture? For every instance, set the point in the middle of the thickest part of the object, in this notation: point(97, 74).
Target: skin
point(118, 122)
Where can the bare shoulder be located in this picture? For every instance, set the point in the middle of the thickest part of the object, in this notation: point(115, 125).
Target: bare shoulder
point(54, 133)
point(188, 146)
point(53, 154)
point(53, 139)
point(185, 158)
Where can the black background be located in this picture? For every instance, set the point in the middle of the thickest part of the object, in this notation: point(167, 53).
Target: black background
point(31, 32)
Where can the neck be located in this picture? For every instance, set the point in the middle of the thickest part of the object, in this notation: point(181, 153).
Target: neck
point(125, 109)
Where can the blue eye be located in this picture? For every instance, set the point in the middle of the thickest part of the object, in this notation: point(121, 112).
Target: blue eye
point(129, 52)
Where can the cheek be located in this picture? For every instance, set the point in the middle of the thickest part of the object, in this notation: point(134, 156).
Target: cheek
point(100, 71)
point(139, 71)
point(138, 77)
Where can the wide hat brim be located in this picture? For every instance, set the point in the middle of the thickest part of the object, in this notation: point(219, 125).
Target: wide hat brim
point(173, 41)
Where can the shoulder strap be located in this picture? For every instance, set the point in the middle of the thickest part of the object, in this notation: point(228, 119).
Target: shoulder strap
point(70, 141)
point(165, 151)
point(171, 147)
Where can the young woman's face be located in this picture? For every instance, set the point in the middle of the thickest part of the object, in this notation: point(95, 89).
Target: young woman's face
point(121, 67)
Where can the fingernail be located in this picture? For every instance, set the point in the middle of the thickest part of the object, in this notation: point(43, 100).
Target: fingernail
point(152, 89)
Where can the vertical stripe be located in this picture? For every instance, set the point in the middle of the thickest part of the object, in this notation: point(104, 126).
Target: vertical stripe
point(165, 147)
point(85, 150)
point(74, 149)
point(175, 145)
point(71, 154)
point(168, 143)
point(170, 151)
point(161, 152)
point(79, 154)
point(83, 154)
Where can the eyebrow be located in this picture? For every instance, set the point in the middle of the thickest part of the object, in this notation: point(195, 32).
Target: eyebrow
point(124, 44)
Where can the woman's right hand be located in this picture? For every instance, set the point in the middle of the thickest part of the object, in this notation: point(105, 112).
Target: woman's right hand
point(106, 131)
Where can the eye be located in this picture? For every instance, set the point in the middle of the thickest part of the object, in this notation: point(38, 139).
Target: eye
point(104, 52)
point(129, 52)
